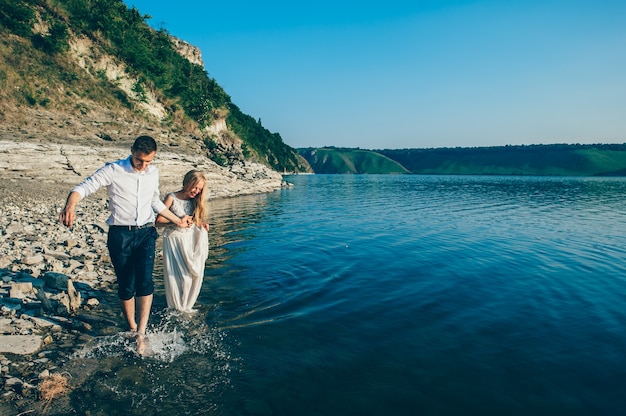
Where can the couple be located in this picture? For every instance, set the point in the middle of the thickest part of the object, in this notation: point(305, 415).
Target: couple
point(134, 202)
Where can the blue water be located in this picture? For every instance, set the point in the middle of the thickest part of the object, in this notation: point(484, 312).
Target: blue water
point(398, 295)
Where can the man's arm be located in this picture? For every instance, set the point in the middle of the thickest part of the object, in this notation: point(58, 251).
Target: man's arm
point(100, 178)
point(184, 222)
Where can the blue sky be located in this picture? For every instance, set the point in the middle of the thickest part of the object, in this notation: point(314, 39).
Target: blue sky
point(414, 74)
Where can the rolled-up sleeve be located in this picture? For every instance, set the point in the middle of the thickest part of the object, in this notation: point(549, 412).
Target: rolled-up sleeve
point(100, 178)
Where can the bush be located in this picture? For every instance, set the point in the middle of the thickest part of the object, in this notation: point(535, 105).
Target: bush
point(17, 17)
point(55, 41)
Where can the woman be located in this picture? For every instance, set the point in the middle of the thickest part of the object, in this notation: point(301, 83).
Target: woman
point(185, 250)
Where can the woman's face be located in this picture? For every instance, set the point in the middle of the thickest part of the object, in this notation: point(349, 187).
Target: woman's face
point(195, 190)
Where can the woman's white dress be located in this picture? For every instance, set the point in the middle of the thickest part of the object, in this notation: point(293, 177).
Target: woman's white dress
point(185, 251)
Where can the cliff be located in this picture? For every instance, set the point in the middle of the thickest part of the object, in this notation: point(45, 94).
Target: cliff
point(83, 72)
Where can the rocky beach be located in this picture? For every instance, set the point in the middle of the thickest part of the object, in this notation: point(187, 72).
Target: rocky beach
point(55, 280)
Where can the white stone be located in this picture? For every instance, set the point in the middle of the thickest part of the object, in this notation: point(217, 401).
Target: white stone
point(34, 259)
point(20, 344)
point(4, 263)
point(15, 293)
point(13, 382)
point(93, 302)
point(6, 326)
point(25, 287)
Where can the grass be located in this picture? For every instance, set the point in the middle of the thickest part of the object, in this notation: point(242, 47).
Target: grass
point(52, 387)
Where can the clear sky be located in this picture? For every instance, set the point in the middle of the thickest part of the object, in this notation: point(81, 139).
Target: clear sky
point(414, 73)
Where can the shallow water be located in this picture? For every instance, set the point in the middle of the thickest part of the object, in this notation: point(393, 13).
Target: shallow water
point(397, 294)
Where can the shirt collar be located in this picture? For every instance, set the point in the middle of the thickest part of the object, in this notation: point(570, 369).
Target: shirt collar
point(128, 166)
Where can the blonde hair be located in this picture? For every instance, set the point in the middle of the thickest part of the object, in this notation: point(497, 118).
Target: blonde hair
point(200, 201)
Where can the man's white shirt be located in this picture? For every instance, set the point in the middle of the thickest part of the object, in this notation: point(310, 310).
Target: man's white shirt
point(133, 196)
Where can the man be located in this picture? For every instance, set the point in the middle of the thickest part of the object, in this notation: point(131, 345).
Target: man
point(133, 187)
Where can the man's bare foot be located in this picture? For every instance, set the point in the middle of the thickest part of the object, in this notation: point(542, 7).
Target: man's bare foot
point(141, 344)
point(132, 333)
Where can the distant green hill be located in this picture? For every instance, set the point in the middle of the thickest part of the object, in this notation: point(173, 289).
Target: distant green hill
point(333, 160)
point(557, 159)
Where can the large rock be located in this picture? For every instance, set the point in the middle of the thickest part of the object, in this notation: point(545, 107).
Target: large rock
point(56, 280)
point(20, 344)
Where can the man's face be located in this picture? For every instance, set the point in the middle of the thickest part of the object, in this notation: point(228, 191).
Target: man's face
point(140, 160)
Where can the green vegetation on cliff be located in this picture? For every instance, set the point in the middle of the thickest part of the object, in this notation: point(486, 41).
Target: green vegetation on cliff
point(38, 63)
point(557, 159)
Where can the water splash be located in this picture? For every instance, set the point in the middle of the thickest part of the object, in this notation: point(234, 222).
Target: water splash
point(186, 366)
point(117, 345)
point(173, 334)
point(161, 346)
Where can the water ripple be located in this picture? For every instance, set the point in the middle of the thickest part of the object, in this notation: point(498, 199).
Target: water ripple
point(370, 294)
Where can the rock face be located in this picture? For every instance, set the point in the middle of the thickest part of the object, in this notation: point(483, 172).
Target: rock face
point(192, 53)
point(81, 50)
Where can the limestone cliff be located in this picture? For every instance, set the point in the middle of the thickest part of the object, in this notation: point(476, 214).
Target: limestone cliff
point(61, 78)
point(192, 53)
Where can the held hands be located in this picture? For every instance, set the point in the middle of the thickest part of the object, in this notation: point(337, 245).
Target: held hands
point(186, 222)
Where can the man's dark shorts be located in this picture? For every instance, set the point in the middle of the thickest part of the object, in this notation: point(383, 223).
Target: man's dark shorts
point(132, 254)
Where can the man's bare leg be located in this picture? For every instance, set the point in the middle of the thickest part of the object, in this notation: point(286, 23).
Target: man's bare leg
point(128, 307)
point(144, 303)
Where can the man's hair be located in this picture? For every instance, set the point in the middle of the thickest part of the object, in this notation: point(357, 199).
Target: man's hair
point(145, 145)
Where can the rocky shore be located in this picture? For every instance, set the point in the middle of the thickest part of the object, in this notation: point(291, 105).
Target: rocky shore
point(54, 279)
